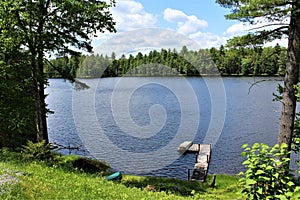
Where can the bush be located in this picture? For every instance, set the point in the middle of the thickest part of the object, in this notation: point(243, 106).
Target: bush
point(6, 154)
point(268, 175)
point(37, 151)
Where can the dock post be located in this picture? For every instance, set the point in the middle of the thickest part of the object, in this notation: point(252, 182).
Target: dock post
point(213, 183)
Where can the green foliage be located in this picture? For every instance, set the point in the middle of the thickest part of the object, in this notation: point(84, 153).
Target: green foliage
point(41, 152)
point(174, 186)
point(7, 155)
point(62, 67)
point(273, 20)
point(260, 13)
point(16, 102)
point(16, 106)
point(57, 26)
point(37, 151)
point(278, 94)
point(296, 135)
point(268, 175)
point(230, 61)
point(38, 28)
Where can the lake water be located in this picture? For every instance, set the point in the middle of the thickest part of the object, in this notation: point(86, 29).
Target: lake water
point(137, 123)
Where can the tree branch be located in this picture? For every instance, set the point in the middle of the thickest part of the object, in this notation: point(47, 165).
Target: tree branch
point(78, 84)
point(267, 25)
point(260, 81)
point(263, 34)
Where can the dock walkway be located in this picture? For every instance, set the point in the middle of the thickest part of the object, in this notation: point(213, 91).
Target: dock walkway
point(203, 152)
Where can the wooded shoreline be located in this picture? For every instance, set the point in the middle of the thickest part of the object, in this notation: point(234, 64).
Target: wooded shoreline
point(267, 61)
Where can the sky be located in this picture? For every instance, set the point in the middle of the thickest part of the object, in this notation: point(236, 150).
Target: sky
point(200, 21)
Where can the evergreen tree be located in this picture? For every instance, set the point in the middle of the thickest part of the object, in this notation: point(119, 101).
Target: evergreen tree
point(274, 13)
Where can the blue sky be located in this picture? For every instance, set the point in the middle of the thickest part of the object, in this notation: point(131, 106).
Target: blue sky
point(206, 10)
point(201, 21)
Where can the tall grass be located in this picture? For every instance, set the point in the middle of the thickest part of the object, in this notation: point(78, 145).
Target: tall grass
point(41, 180)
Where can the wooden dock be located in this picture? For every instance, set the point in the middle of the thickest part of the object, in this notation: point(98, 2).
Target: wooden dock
point(202, 151)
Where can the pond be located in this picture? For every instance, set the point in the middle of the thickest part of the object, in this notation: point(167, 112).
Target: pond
point(137, 123)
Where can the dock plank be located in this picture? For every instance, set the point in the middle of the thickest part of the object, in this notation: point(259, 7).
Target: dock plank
point(203, 153)
point(194, 148)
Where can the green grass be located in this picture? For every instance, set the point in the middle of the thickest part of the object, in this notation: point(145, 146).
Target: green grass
point(41, 180)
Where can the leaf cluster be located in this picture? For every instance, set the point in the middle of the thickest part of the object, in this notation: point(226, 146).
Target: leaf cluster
point(36, 151)
point(268, 175)
point(16, 101)
point(58, 25)
point(296, 135)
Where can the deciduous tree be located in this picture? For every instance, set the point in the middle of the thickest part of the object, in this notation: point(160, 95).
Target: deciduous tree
point(54, 26)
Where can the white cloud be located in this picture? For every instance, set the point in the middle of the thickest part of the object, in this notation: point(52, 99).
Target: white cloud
point(235, 29)
point(192, 25)
point(186, 24)
point(130, 15)
point(208, 40)
point(174, 16)
point(147, 38)
point(262, 24)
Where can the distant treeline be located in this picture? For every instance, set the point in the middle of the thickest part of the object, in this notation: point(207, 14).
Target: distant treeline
point(269, 61)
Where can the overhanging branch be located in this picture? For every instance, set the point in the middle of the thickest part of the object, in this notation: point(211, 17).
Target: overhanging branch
point(268, 25)
point(78, 84)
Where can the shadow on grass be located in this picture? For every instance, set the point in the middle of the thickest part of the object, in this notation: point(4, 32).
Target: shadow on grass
point(68, 163)
point(168, 185)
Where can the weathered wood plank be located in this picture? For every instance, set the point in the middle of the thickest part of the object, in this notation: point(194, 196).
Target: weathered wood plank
point(194, 148)
point(185, 146)
point(201, 166)
point(203, 152)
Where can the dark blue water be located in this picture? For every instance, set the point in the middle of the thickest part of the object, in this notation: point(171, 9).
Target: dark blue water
point(136, 124)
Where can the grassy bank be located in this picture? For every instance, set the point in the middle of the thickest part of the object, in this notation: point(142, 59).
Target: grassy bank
point(40, 180)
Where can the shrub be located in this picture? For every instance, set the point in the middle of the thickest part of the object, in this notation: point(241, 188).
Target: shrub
point(268, 175)
point(38, 151)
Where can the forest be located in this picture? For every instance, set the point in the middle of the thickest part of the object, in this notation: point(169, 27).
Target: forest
point(241, 61)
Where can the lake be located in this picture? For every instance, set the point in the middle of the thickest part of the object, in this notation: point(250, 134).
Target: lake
point(137, 123)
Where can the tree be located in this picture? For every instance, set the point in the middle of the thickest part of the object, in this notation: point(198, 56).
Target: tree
point(271, 17)
point(16, 113)
point(54, 26)
point(16, 106)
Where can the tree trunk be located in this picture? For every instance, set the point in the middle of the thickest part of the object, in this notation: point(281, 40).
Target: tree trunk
point(42, 96)
point(38, 106)
point(43, 132)
point(38, 82)
point(291, 79)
